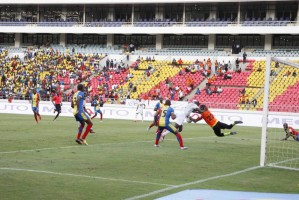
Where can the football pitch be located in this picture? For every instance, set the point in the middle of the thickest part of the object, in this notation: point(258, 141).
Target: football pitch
point(42, 161)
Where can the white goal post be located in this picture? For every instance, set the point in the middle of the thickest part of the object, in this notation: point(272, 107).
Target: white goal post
point(276, 152)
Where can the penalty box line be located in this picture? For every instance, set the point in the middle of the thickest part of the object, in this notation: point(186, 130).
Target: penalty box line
point(192, 183)
point(80, 146)
point(84, 176)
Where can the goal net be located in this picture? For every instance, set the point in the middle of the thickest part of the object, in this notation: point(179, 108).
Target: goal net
point(280, 106)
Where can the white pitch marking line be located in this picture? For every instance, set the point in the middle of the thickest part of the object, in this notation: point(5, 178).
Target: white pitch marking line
point(84, 176)
point(192, 183)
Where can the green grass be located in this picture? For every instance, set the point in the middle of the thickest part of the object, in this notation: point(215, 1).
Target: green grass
point(121, 161)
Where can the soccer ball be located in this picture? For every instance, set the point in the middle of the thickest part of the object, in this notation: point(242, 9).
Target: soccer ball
point(194, 116)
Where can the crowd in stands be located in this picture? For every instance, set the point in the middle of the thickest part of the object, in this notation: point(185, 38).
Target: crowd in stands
point(46, 70)
point(223, 85)
point(176, 86)
point(51, 71)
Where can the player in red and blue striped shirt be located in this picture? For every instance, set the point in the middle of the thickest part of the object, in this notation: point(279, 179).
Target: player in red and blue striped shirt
point(80, 114)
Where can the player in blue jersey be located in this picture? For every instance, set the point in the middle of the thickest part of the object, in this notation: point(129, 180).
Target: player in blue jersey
point(35, 99)
point(80, 114)
point(157, 107)
point(165, 113)
point(97, 104)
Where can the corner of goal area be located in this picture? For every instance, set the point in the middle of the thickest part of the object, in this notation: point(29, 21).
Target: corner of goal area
point(198, 194)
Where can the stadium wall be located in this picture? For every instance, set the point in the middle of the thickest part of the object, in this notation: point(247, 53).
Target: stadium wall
point(127, 112)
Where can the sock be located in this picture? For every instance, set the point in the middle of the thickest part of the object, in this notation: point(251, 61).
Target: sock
point(158, 138)
point(180, 139)
point(86, 131)
point(56, 116)
point(80, 129)
point(151, 125)
point(101, 116)
point(226, 134)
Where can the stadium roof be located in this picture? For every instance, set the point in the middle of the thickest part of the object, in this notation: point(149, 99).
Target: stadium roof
point(121, 1)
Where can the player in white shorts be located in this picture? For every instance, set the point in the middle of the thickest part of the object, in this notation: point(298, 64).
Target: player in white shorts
point(139, 109)
point(181, 115)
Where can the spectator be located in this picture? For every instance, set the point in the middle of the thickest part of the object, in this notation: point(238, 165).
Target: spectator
point(237, 63)
point(294, 74)
point(227, 76)
point(197, 91)
point(167, 81)
point(116, 97)
point(192, 84)
point(216, 65)
point(172, 93)
point(259, 69)
point(243, 91)
point(239, 70)
point(209, 82)
point(229, 65)
point(188, 69)
point(205, 73)
point(288, 73)
point(243, 99)
point(244, 57)
point(215, 90)
point(273, 72)
point(10, 98)
point(254, 102)
point(128, 94)
point(130, 85)
point(188, 89)
point(149, 66)
point(135, 88)
point(174, 63)
point(208, 90)
point(193, 71)
point(248, 102)
point(196, 65)
point(219, 90)
point(181, 95)
point(180, 72)
point(170, 85)
point(130, 75)
point(180, 62)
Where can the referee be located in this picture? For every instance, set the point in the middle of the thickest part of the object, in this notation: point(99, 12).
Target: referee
point(57, 103)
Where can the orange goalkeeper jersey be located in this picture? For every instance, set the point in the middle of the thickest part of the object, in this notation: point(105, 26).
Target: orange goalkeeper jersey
point(209, 118)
